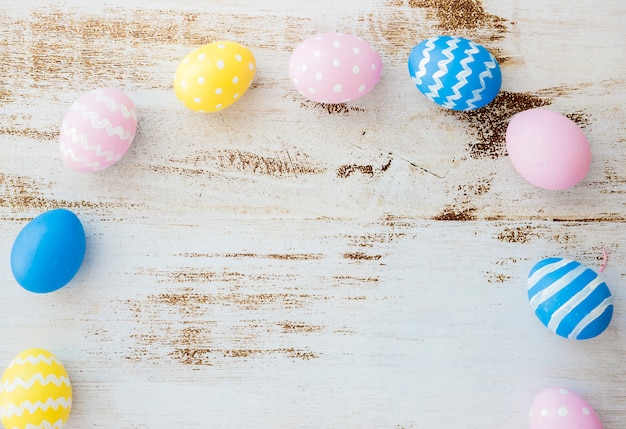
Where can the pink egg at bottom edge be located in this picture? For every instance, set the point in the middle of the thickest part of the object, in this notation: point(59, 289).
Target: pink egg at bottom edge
point(334, 68)
point(558, 408)
point(97, 130)
point(548, 149)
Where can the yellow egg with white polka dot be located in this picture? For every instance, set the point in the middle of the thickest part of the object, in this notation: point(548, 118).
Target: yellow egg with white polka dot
point(212, 77)
point(35, 392)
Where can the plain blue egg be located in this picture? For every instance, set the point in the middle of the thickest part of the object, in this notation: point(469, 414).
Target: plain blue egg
point(48, 251)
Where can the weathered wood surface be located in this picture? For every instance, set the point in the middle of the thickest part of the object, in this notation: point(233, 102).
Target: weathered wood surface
point(288, 264)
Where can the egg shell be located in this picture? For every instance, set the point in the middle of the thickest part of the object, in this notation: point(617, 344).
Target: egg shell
point(454, 72)
point(35, 392)
point(48, 251)
point(334, 68)
point(558, 408)
point(214, 76)
point(548, 149)
point(569, 298)
point(98, 130)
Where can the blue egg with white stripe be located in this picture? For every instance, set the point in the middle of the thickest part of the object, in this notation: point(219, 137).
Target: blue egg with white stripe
point(455, 73)
point(569, 298)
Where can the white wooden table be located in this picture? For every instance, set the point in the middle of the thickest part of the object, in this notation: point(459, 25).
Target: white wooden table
point(283, 264)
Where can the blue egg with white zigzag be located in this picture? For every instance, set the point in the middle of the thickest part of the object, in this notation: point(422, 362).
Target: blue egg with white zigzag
point(455, 73)
point(569, 298)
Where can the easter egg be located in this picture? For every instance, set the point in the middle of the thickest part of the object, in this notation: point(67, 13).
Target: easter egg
point(97, 130)
point(48, 251)
point(454, 72)
point(547, 149)
point(569, 298)
point(558, 408)
point(334, 68)
point(214, 76)
point(35, 392)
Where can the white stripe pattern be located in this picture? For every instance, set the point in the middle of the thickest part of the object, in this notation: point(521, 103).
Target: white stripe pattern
point(546, 269)
point(19, 382)
point(44, 425)
point(462, 76)
point(589, 318)
point(68, 152)
point(443, 68)
point(34, 360)
point(569, 298)
point(13, 410)
point(104, 123)
point(421, 70)
point(84, 142)
point(557, 317)
point(547, 293)
point(114, 107)
point(471, 104)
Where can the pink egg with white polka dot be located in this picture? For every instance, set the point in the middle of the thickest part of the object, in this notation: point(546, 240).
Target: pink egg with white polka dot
point(334, 68)
point(558, 408)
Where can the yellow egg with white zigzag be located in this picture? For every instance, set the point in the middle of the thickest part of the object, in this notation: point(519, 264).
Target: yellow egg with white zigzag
point(35, 392)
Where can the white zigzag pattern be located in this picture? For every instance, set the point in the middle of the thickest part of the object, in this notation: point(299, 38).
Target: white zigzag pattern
point(51, 378)
point(113, 106)
point(482, 76)
point(462, 76)
point(34, 360)
point(443, 68)
point(104, 123)
point(44, 425)
point(82, 140)
point(13, 410)
point(66, 151)
point(421, 69)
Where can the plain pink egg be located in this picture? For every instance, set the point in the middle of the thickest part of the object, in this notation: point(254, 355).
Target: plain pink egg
point(548, 149)
point(558, 408)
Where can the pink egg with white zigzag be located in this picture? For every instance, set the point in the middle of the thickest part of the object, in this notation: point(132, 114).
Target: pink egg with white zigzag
point(98, 130)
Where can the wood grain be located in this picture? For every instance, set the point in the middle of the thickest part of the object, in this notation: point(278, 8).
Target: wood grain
point(286, 263)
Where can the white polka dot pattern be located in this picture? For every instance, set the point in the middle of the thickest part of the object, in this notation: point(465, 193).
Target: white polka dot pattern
point(334, 68)
point(558, 408)
point(214, 76)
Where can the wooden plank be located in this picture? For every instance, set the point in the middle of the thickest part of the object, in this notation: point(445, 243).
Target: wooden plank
point(286, 263)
